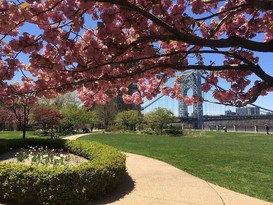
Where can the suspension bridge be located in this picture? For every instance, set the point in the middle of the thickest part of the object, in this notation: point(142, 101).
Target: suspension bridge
point(207, 112)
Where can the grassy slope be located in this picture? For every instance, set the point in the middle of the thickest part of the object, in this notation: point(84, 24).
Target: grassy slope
point(238, 161)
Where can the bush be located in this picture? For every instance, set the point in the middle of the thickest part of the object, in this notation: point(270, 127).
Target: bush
point(149, 131)
point(115, 128)
point(173, 131)
point(32, 184)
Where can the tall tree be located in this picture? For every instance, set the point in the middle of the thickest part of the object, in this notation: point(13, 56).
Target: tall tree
point(77, 117)
point(21, 112)
point(136, 41)
point(71, 118)
point(106, 113)
point(129, 119)
point(62, 100)
point(89, 119)
point(159, 118)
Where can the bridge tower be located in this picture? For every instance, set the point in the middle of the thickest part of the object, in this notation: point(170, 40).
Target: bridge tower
point(192, 80)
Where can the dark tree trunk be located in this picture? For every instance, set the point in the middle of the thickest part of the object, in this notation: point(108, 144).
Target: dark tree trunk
point(24, 134)
point(161, 129)
point(25, 121)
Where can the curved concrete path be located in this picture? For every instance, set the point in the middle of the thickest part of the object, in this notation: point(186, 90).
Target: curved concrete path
point(153, 182)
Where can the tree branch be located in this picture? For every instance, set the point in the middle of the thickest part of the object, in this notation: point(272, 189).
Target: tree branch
point(266, 5)
point(234, 41)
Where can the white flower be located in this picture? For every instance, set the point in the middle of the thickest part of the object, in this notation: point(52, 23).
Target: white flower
point(45, 156)
point(57, 158)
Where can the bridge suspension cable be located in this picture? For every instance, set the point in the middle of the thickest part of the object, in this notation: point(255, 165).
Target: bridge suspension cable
point(143, 108)
point(186, 75)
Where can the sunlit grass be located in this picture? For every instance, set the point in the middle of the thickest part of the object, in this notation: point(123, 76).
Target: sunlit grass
point(15, 134)
point(10, 134)
point(241, 162)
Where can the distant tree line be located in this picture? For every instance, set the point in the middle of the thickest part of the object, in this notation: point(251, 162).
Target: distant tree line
point(66, 115)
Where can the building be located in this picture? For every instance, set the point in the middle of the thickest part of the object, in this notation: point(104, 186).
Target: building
point(121, 105)
point(230, 113)
point(131, 89)
point(248, 111)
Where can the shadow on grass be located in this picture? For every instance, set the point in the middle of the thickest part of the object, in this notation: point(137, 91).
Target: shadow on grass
point(126, 186)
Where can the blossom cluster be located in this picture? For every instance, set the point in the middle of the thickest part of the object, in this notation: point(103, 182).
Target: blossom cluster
point(132, 41)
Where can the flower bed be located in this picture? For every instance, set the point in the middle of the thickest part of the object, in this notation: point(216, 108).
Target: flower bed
point(41, 184)
point(43, 156)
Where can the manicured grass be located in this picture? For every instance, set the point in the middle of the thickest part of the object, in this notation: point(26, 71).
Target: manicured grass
point(15, 134)
point(10, 135)
point(238, 161)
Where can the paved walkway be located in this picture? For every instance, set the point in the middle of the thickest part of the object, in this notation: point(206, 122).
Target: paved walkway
point(153, 182)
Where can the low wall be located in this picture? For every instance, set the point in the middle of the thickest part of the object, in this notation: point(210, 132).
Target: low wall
point(251, 125)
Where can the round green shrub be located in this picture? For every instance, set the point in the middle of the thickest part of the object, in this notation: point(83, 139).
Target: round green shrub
point(33, 184)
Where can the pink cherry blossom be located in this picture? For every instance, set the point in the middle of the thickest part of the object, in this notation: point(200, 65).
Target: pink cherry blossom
point(143, 42)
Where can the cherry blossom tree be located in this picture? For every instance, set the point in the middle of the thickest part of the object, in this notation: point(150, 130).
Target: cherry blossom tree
point(47, 117)
point(21, 107)
point(100, 47)
point(7, 118)
point(20, 103)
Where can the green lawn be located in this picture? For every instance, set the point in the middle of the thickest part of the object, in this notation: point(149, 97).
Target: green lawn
point(238, 161)
point(16, 134)
point(10, 135)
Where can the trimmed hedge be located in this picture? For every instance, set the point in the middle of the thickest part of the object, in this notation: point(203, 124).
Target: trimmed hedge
point(32, 184)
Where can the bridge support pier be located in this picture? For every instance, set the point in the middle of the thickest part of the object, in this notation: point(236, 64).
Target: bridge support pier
point(192, 80)
point(235, 128)
point(217, 127)
point(256, 128)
